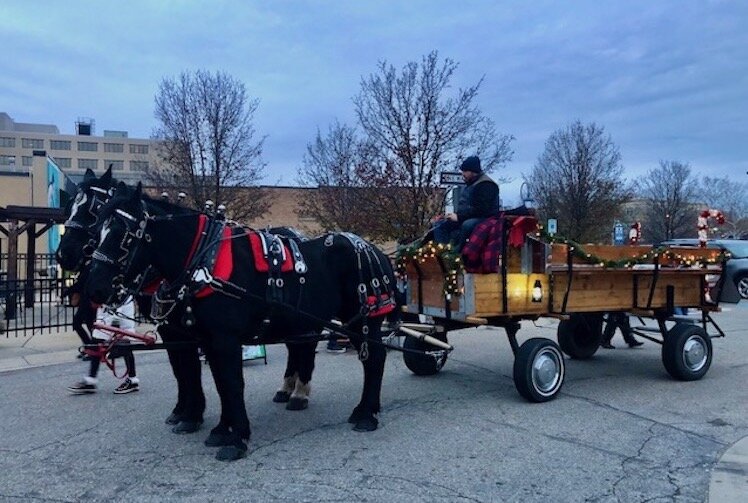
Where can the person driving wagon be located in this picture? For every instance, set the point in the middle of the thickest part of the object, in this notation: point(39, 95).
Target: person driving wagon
point(479, 200)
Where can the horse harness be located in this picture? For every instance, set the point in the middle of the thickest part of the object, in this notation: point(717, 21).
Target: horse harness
point(196, 281)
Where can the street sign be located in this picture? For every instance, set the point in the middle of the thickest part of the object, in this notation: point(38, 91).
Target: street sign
point(451, 178)
point(552, 226)
point(618, 236)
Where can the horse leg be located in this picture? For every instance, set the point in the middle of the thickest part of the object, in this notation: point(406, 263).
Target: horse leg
point(363, 416)
point(185, 364)
point(226, 365)
point(220, 435)
point(178, 411)
point(305, 360)
point(191, 396)
point(283, 395)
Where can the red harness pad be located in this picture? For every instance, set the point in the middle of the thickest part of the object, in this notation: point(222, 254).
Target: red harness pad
point(386, 308)
point(261, 265)
point(224, 263)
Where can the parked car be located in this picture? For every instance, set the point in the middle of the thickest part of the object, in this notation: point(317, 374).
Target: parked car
point(736, 270)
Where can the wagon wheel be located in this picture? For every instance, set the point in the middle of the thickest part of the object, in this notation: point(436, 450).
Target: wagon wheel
point(687, 352)
point(539, 370)
point(423, 364)
point(580, 335)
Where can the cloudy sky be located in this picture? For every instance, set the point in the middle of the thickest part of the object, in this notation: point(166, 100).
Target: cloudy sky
point(667, 79)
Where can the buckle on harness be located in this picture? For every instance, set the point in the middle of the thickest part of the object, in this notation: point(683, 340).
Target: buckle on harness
point(202, 275)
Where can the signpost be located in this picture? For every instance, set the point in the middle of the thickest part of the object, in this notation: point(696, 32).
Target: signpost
point(451, 178)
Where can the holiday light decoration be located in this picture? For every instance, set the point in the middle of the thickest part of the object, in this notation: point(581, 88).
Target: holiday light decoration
point(703, 224)
point(421, 253)
point(635, 234)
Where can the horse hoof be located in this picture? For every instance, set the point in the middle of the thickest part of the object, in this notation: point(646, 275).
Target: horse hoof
point(230, 453)
point(282, 397)
point(367, 424)
point(185, 427)
point(356, 416)
point(296, 403)
point(173, 418)
point(218, 440)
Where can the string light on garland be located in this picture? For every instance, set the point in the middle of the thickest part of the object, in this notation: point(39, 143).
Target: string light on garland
point(453, 266)
point(431, 250)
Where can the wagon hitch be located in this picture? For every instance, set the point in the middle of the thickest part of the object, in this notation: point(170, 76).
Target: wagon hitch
point(425, 338)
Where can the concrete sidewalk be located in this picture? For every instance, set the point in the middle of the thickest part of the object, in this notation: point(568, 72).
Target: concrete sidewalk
point(38, 350)
point(728, 483)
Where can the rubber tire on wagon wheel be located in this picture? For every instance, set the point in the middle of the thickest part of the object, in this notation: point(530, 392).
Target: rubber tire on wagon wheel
point(421, 364)
point(687, 352)
point(580, 336)
point(539, 370)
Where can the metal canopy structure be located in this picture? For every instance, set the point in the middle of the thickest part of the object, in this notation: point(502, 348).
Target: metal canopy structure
point(14, 221)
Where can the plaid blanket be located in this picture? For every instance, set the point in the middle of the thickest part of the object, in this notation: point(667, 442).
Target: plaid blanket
point(482, 251)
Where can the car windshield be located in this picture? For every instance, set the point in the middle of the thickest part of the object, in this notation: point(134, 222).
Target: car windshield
point(738, 249)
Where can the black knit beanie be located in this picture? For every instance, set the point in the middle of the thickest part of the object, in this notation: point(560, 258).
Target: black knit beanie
point(472, 163)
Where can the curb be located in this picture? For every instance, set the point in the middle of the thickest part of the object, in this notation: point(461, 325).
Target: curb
point(729, 480)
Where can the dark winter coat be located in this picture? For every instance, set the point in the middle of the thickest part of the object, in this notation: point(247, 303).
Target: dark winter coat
point(479, 199)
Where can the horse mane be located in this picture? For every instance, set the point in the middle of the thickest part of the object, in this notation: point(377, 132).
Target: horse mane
point(157, 205)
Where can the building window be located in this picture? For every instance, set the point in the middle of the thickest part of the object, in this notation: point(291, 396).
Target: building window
point(62, 162)
point(88, 146)
point(27, 160)
point(7, 160)
point(32, 143)
point(114, 147)
point(138, 149)
point(7, 142)
point(138, 165)
point(88, 164)
point(116, 165)
point(59, 145)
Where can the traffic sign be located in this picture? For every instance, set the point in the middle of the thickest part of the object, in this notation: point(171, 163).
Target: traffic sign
point(618, 237)
point(451, 178)
point(552, 226)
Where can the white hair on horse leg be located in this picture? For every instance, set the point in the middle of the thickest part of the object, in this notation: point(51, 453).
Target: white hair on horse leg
point(302, 390)
point(289, 383)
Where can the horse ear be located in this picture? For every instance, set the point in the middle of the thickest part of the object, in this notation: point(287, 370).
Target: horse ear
point(121, 188)
point(107, 176)
point(89, 175)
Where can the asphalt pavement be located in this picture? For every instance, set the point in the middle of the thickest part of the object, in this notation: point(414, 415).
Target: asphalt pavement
point(620, 430)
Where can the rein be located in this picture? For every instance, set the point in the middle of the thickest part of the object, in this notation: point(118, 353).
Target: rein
point(103, 350)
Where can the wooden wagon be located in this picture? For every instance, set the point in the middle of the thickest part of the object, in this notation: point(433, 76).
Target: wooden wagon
point(578, 286)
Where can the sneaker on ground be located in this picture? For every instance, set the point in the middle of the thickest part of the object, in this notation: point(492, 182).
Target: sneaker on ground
point(127, 386)
point(334, 347)
point(82, 388)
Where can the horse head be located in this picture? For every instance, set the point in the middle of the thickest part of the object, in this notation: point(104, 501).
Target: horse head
point(121, 255)
point(80, 237)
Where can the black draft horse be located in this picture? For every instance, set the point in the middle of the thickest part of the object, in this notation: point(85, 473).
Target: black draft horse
point(73, 254)
point(80, 239)
point(344, 278)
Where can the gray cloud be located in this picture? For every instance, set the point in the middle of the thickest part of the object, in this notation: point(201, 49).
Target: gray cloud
point(668, 80)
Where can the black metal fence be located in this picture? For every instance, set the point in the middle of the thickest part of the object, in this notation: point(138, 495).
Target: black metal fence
point(45, 265)
point(32, 306)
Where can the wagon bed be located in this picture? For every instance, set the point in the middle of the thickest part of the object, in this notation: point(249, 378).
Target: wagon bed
point(577, 286)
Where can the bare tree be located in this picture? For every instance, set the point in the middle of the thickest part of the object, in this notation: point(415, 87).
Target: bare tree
point(727, 196)
point(578, 180)
point(331, 164)
point(411, 129)
point(672, 201)
point(208, 141)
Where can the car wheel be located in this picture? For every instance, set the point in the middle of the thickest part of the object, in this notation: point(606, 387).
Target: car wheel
point(742, 284)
